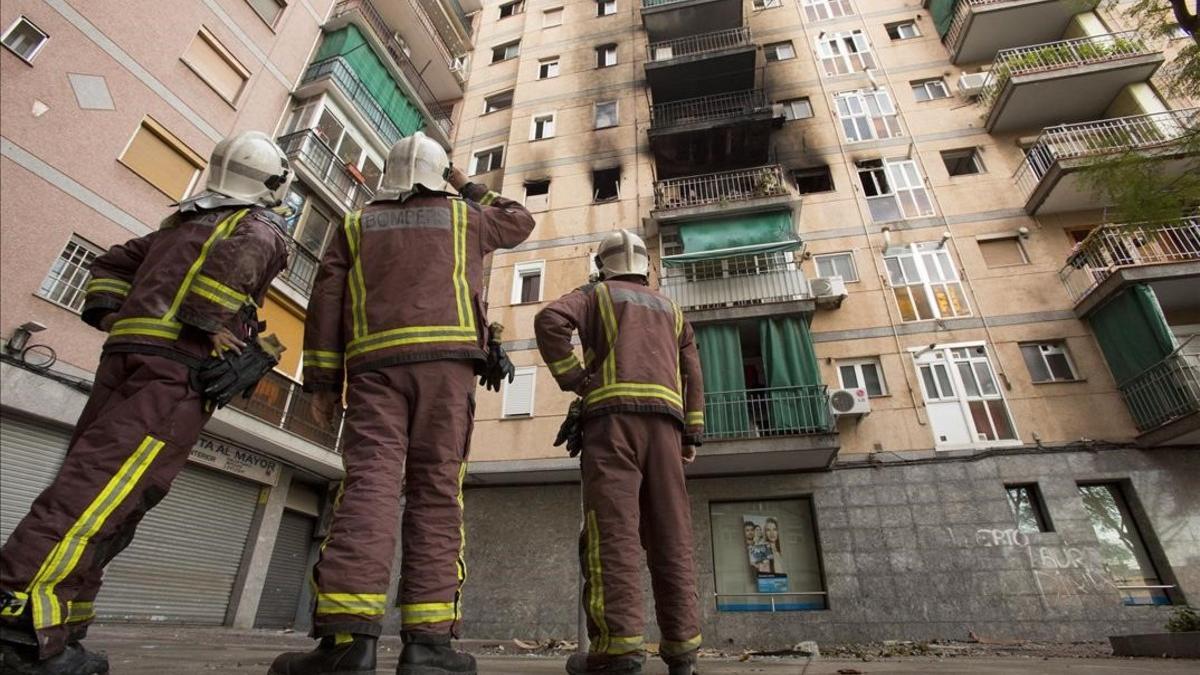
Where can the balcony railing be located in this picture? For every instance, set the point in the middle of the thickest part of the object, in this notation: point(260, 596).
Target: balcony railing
point(1051, 56)
point(708, 108)
point(1166, 391)
point(736, 281)
point(767, 413)
point(699, 44)
point(963, 11)
point(282, 403)
point(720, 188)
point(651, 4)
point(441, 116)
point(307, 149)
point(1103, 137)
point(1111, 247)
point(301, 271)
point(340, 72)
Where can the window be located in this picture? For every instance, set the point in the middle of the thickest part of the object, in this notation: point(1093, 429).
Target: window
point(552, 17)
point(606, 114)
point(867, 114)
point(518, 394)
point(512, 9)
point(813, 179)
point(797, 108)
point(1028, 508)
point(837, 265)
point(962, 161)
point(820, 10)
point(1048, 362)
point(541, 126)
point(548, 68)
point(606, 7)
point(506, 51)
point(24, 39)
point(65, 283)
point(903, 30)
point(537, 195)
point(606, 184)
point(862, 374)
point(162, 160)
point(268, 10)
point(843, 53)
point(347, 143)
point(487, 160)
point(930, 89)
point(766, 556)
point(925, 282)
point(213, 63)
point(894, 189)
point(1003, 251)
point(527, 281)
point(606, 55)
point(767, 4)
point(501, 101)
point(779, 51)
point(309, 224)
point(963, 398)
point(1122, 548)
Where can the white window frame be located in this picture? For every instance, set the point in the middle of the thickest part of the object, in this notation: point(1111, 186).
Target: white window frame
point(70, 282)
point(913, 29)
point(789, 108)
point(349, 130)
point(13, 27)
point(609, 49)
point(774, 49)
point(553, 11)
point(867, 115)
point(931, 86)
point(950, 362)
point(845, 52)
point(486, 151)
point(602, 7)
point(760, 5)
point(550, 64)
point(857, 365)
point(548, 120)
point(823, 10)
point(847, 254)
point(525, 269)
point(911, 267)
point(1054, 348)
point(521, 372)
point(616, 114)
point(513, 44)
point(487, 101)
point(903, 185)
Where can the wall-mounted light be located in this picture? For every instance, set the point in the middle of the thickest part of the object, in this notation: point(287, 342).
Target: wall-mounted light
point(1023, 231)
point(945, 238)
point(20, 337)
point(887, 237)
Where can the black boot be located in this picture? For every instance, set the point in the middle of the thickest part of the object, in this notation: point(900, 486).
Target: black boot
point(682, 665)
point(74, 660)
point(330, 658)
point(592, 664)
point(427, 654)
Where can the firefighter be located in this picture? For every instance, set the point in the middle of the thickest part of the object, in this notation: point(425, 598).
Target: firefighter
point(169, 301)
point(641, 418)
point(397, 316)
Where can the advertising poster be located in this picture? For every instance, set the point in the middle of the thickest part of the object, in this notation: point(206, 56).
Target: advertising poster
point(764, 550)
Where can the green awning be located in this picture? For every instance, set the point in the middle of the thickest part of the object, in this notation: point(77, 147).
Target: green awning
point(943, 15)
point(727, 237)
point(1132, 332)
point(350, 44)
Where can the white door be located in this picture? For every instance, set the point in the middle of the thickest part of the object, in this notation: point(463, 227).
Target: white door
point(963, 398)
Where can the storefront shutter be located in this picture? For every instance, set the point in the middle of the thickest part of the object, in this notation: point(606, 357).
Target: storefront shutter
point(287, 572)
point(30, 454)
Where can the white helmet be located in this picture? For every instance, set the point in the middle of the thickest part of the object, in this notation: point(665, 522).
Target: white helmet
point(412, 161)
point(250, 168)
point(620, 253)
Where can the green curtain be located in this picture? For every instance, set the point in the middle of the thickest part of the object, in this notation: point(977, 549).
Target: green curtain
point(797, 402)
point(350, 44)
point(721, 237)
point(725, 412)
point(1132, 332)
point(943, 15)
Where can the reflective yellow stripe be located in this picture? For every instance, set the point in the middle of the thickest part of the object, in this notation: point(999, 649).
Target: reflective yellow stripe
point(358, 287)
point(148, 326)
point(674, 648)
point(221, 231)
point(488, 198)
point(17, 604)
point(635, 390)
point(618, 645)
point(343, 638)
point(316, 358)
point(462, 541)
point(595, 600)
point(65, 555)
point(588, 357)
point(462, 290)
point(207, 287)
point(216, 298)
point(360, 604)
point(408, 336)
point(114, 286)
point(695, 419)
point(80, 611)
point(565, 365)
point(609, 319)
point(429, 612)
point(678, 320)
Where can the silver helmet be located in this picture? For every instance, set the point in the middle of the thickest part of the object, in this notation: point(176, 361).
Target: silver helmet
point(249, 168)
point(412, 161)
point(622, 252)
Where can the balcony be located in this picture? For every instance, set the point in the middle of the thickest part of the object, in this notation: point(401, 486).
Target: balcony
point(708, 289)
point(1113, 257)
point(281, 402)
point(301, 270)
point(980, 28)
point(670, 19)
point(1165, 399)
point(1050, 176)
point(701, 65)
point(719, 132)
point(337, 71)
point(323, 171)
point(765, 430)
point(727, 192)
point(1081, 77)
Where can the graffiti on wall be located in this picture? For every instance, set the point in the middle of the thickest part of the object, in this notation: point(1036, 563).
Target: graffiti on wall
point(1058, 571)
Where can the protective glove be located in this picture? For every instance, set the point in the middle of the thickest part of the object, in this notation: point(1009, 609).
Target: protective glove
point(498, 367)
point(571, 430)
point(219, 379)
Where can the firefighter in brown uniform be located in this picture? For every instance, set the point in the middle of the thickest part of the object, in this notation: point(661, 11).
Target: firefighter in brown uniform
point(396, 314)
point(642, 416)
point(169, 301)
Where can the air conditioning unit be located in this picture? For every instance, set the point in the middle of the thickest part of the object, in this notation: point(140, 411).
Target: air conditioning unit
point(972, 84)
point(849, 402)
point(828, 291)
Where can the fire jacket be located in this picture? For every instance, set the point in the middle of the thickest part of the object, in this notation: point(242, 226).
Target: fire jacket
point(174, 286)
point(639, 353)
point(401, 280)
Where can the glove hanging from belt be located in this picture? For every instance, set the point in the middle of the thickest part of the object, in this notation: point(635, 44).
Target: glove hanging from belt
point(219, 379)
point(571, 430)
point(497, 368)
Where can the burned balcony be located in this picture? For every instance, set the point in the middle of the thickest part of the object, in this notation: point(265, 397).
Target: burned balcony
point(1080, 77)
point(701, 65)
point(723, 131)
point(317, 165)
point(670, 19)
point(742, 190)
point(974, 30)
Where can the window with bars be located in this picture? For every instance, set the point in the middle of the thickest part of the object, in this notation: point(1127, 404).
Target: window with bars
point(820, 10)
point(929, 89)
point(866, 374)
point(867, 114)
point(844, 53)
point(925, 282)
point(895, 189)
point(1048, 362)
point(64, 284)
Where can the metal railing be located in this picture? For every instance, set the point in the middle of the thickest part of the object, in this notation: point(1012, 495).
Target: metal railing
point(736, 281)
point(965, 7)
point(337, 69)
point(699, 44)
point(708, 108)
point(766, 413)
point(1166, 391)
point(385, 34)
point(306, 148)
point(301, 270)
point(1111, 247)
point(1103, 137)
point(282, 403)
point(720, 188)
point(651, 4)
point(1010, 63)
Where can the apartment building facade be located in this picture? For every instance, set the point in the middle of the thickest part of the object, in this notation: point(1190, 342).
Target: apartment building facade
point(945, 392)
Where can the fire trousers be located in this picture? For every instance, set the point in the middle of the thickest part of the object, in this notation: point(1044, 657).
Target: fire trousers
point(132, 439)
point(635, 499)
point(407, 429)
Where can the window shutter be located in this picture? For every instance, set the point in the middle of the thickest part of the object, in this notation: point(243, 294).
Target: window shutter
point(518, 394)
